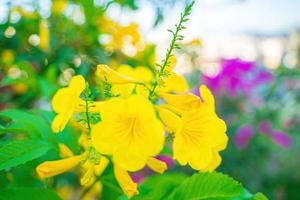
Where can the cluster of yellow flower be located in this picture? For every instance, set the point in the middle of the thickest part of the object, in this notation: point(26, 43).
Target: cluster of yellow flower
point(133, 127)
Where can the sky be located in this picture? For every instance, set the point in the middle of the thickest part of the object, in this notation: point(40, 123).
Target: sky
point(261, 17)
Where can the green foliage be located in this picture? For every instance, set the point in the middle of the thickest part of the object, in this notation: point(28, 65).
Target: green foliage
point(28, 193)
point(260, 196)
point(35, 126)
point(159, 186)
point(19, 152)
point(208, 186)
point(176, 37)
point(111, 189)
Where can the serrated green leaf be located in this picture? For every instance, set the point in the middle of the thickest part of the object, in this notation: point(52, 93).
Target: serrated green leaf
point(208, 186)
point(28, 193)
point(19, 152)
point(159, 186)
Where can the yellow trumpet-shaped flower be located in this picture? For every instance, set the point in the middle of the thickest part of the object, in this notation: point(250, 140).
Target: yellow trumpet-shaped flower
point(105, 73)
point(140, 73)
point(201, 133)
point(66, 101)
point(91, 170)
point(44, 35)
point(88, 176)
point(64, 151)
point(157, 165)
point(94, 192)
point(99, 169)
point(129, 131)
point(125, 181)
point(52, 168)
point(173, 82)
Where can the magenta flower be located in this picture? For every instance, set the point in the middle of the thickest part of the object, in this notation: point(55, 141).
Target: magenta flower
point(243, 136)
point(265, 127)
point(281, 138)
point(139, 176)
point(237, 76)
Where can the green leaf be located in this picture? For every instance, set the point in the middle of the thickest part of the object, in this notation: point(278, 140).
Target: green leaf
point(19, 152)
point(111, 188)
point(34, 125)
point(28, 193)
point(208, 186)
point(260, 196)
point(159, 186)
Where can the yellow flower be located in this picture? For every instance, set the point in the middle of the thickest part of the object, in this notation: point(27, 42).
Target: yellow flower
point(157, 165)
point(58, 6)
point(140, 73)
point(8, 56)
point(52, 168)
point(99, 169)
point(64, 151)
point(65, 191)
point(173, 82)
point(105, 73)
point(44, 35)
point(88, 176)
point(94, 192)
point(66, 101)
point(91, 170)
point(200, 135)
point(129, 131)
point(125, 181)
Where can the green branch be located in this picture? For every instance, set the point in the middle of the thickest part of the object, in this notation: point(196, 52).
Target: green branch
point(173, 45)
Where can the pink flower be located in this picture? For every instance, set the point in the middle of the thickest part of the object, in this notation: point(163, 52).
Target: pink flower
point(243, 136)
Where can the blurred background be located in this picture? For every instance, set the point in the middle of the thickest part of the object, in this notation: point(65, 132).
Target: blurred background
point(246, 51)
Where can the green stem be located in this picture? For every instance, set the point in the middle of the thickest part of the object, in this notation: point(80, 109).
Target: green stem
point(173, 45)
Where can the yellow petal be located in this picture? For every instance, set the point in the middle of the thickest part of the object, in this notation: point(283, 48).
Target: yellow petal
point(77, 84)
point(129, 159)
point(88, 176)
point(174, 83)
point(157, 165)
point(44, 35)
point(94, 192)
point(64, 151)
point(184, 102)
point(125, 182)
point(99, 169)
point(214, 163)
point(66, 101)
point(59, 122)
point(172, 121)
point(83, 141)
point(52, 168)
point(139, 73)
point(129, 131)
point(58, 6)
point(105, 73)
point(207, 97)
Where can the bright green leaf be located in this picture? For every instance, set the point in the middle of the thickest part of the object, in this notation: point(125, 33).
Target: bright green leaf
point(28, 193)
point(19, 152)
point(208, 186)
